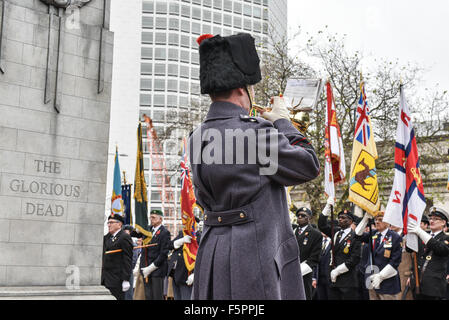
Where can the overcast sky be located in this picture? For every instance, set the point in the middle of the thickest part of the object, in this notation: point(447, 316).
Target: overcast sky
point(413, 31)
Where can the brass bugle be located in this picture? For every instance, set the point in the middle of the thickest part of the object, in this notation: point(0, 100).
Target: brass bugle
point(261, 109)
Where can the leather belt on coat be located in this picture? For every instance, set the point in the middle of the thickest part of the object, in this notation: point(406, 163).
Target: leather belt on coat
point(228, 218)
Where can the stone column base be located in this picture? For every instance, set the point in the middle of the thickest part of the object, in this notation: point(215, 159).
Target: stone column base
point(55, 293)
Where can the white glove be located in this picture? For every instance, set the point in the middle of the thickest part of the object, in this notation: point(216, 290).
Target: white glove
point(148, 270)
point(178, 243)
point(413, 227)
point(340, 269)
point(358, 212)
point(362, 225)
point(305, 268)
point(125, 286)
point(327, 209)
point(190, 279)
point(387, 272)
point(279, 110)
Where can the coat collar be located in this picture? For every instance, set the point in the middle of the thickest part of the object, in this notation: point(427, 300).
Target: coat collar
point(223, 110)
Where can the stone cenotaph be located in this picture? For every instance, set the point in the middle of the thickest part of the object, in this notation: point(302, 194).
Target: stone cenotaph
point(55, 89)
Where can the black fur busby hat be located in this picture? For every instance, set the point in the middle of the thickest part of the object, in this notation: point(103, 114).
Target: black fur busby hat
point(227, 62)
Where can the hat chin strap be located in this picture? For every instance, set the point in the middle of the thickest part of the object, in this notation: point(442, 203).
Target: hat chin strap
point(251, 100)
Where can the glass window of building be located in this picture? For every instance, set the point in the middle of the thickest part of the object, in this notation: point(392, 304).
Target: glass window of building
point(185, 56)
point(159, 84)
point(173, 24)
point(161, 7)
point(207, 15)
point(217, 17)
point(217, 30)
point(196, 13)
point(159, 115)
point(247, 24)
point(145, 99)
point(196, 2)
point(173, 39)
point(184, 72)
point(237, 7)
point(207, 3)
point(145, 84)
point(146, 68)
point(195, 88)
point(185, 11)
point(257, 12)
point(159, 69)
point(185, 41)
point(147, 53)
point(257, 27)
point(227, 20)
point(147, 6)
point(159, 99)
point(172, 100)
point(227, 5)
point(185, 26)
point(160, 53)
point(161, 23)
point(227, 32)
point(265, 13)
point(247, 10)
point(161, 38)
point(207, 28)
point(147, 22)
point(174, 8)
point(265, 27)
point(265, 2)
point(172, 70)
point(218, 4)
point(257, 1)
point(147, 37)
point(172, 85)
point(195, 73)
point(184, 102)
point(195, 57)
point(196, 28)
point(146, 163)
point(193, 43)
point(173, 54)
point(237, 22)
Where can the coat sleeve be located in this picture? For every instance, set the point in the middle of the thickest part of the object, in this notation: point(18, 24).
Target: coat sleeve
point(439, 248)
point(163, 254)
point(284, 154)
point(127, 257)
point(396, 253)
point(363, 238)
point(324, 226)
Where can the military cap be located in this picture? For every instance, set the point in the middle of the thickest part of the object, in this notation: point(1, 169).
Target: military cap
point(116, 216)
point(158, 212)
point(304, 210)
point(227, 62)
point(348, 213)
point(434, 211)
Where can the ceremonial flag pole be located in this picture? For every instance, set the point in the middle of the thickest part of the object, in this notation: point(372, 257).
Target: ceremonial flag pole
point(334, 158)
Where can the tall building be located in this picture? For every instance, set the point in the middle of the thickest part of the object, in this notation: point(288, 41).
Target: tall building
point(169, 84)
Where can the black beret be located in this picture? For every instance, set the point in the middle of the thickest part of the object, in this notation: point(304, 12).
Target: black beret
point(348, 213)
point(304, 210)
point(128, 227)
point(425, 219)
point(117, 217)
point(228, 62)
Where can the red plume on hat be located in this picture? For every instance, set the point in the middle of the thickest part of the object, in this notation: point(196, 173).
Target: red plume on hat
point(204, 37)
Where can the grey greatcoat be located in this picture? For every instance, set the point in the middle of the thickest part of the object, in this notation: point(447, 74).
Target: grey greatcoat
point(248, 249)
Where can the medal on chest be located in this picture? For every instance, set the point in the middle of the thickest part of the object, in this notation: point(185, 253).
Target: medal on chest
point(305, 239)
point(348, 245)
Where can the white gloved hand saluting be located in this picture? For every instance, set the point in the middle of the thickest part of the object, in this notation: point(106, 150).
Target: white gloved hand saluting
point(178, 243)
point(340, 269)
point(327, 209)
point(148, 270)
point(387, 272)
point(279, 110)
point(190, 279)
point(413, 227)
point(125, 286)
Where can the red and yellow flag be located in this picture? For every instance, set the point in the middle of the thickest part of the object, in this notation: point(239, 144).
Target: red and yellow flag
point(188, 218)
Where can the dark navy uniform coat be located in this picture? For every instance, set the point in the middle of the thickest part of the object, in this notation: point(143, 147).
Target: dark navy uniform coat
point(248, 249)
point(381, 257)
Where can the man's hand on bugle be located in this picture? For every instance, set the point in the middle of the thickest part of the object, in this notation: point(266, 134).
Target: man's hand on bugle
point(279, 110)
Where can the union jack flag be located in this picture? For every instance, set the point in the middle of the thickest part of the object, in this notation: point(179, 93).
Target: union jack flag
point(362, 128)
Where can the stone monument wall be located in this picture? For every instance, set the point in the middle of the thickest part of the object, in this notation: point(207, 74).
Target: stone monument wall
point(55, 83)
